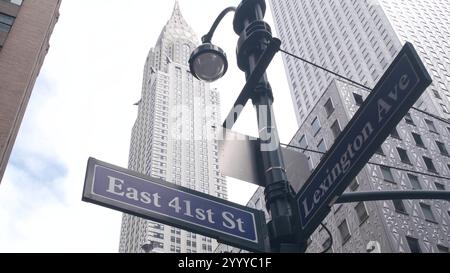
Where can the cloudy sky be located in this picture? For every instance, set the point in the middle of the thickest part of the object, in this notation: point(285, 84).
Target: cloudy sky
point(82, 106)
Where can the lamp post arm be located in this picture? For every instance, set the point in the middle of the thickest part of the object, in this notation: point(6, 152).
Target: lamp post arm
point(208, 37)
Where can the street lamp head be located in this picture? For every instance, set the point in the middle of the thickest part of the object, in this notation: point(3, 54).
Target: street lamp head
point(208, 62)
point(148, 247)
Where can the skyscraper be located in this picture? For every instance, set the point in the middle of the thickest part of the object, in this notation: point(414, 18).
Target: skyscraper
point(359, 39)
point(170, 139)
point(25, 29)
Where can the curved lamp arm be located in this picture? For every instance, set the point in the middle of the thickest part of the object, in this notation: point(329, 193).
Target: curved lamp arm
point(207, 38)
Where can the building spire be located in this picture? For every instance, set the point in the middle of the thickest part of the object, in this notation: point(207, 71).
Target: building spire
point(176, 14)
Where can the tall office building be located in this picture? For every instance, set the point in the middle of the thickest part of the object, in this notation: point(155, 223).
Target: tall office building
point(170, 139)
point(359, 39)
point(414, 157)
point(25, 29)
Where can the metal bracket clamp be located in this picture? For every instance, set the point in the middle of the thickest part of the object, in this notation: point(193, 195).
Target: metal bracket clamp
point(275, 168)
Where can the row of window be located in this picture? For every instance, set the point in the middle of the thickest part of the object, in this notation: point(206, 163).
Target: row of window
point(6, 22)
point(362, 214)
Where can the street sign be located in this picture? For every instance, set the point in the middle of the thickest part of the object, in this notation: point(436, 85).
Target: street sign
point(239, 158)
point(154, 199)
point(398, 89)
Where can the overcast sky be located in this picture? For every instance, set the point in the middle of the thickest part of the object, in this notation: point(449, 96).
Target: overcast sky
point(82, 106)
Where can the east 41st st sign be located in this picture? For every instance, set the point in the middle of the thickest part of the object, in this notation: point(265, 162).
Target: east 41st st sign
point(398, 89)
point(160, 201)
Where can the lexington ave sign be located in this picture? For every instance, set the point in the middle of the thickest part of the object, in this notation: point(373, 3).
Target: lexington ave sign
point(396, 92)
point(167, 203)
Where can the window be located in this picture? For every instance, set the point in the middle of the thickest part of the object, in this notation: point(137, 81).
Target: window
point(436, 94)
point(395, 134)
point(414, 180)
point(6, 22)
point(413, 244)
point(403, 156)
point(322, 147)
point(358, 99)
point(302, 143)
point(336, 129)
point(418, 140)
point(431, 126)
point(344, 232)
point(442, 249)
point(315, 126)
point(354, 185)
point(429, 164)
point(408, 119)
point(439, 186)
point(442, 148)
point(427, 212)
point(399, 206)
point(327, 244)
point(329, 107)
point(361, 211)
point(380, 150)
point(387, 174)
point(16, 2)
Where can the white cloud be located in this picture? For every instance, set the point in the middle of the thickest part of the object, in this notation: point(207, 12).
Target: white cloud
point(82, 106)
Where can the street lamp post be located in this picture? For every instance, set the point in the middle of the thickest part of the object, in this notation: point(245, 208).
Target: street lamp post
point(256, 48)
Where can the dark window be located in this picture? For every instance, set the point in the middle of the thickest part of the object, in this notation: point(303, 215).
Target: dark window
point(329, 107)
point(361, 211)
point(436, 94)
point(6, 22)
point(344, 231)
point(408, 119)
point(429, 164)
point(431, 126)
point(315, 125)
point(415, 183)
point(380, 150)
point(354, 185)
point(418, 140)
point(403, 156)
point(413, 244)
point(442, 249)
point(322, 147)
point(358, 99)
point(399, 206)
point(427, 212)
point(442, 148)
point(336, 129)
point(395, 134)
point(302, 143)
point(439, 186)
point(327, 244)
point(387, 174)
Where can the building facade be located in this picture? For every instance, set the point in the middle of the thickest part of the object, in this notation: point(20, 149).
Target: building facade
point(359, 39)
point(25, 30)
point(171, 138)
point(414, 157)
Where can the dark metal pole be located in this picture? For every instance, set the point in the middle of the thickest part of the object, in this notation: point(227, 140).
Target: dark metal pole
point(255, 35)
